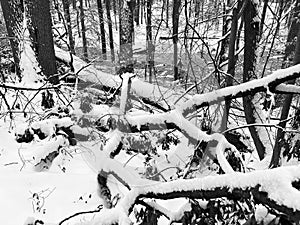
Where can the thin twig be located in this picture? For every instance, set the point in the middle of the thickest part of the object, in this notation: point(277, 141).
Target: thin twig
point(80, 213)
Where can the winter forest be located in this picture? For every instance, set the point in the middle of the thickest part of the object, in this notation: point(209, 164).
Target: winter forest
point(149, 112)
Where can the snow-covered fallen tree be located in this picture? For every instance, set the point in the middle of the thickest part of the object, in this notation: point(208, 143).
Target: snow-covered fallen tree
point(117, 123)
point(276, 188)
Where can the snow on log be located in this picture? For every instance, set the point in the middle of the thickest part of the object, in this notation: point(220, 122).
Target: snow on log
point(272, 187)
point(88, 73)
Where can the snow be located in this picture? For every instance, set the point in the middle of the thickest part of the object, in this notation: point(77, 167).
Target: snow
point(53, 187)
point(262, 215)
point(61, 193)
point(288, 88)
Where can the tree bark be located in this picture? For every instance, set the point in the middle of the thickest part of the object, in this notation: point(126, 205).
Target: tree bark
point(102, 29)
point(40, 30)
point(83, 32)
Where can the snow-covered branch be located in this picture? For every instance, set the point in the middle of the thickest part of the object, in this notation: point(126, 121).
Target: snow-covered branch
point(272, 187)
point(288, 88)
point(174, 119)
point(269, 82)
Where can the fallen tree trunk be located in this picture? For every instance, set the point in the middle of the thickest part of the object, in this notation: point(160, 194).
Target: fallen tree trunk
point(89, 75)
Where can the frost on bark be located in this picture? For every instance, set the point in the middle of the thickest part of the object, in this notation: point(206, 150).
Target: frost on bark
point(13, 16)
point(126, 36)
point(40, 29)
point(251, 37)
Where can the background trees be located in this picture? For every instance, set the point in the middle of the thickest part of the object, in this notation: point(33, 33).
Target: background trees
point(189, 109)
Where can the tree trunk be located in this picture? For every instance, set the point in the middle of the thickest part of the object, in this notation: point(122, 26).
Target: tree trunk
point(239, 34)
point(83, 32)
point(66, 7)
point(225, 41)
point(231, 64)
point(40, 30)
point(126, 31)
point(102, 29)
point(137, 13)
point(167, 13)
point(56, 7)
point(13, 15)
point(149, 41)
point(78, 21)
point(74, 4)
point(142, 10)
point(110, 31)
point(263, 17)
point(115, 12)
point(291, 45)
point(251, 33)
point(175, 18)
point(197, 9)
